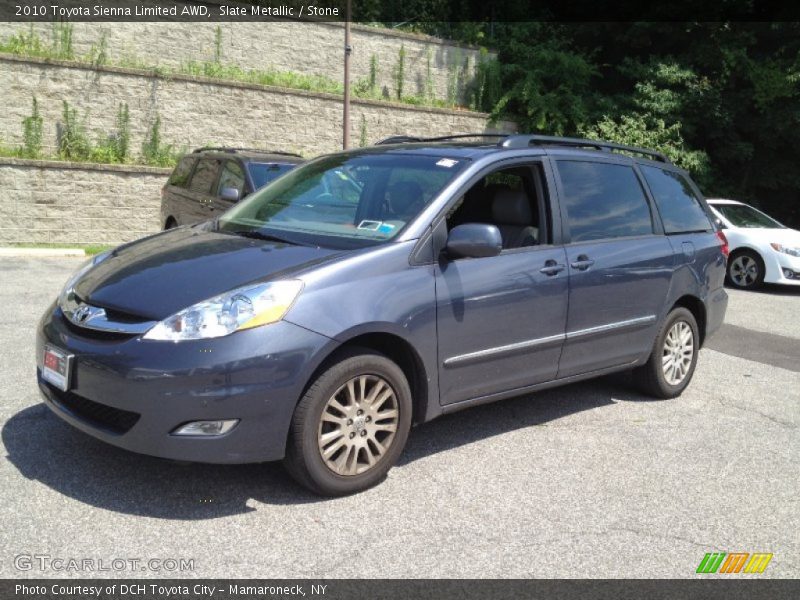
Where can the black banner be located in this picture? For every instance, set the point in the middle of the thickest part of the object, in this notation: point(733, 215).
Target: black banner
point(733, 588)
point(397, 11)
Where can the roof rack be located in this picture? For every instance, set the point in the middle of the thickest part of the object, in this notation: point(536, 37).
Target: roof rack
point(527, 140)
point(404, 139)
point(253, 150)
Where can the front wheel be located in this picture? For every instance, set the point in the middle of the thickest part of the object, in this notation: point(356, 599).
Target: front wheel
point(350, 427)
point(674, 356)
point(746, 270)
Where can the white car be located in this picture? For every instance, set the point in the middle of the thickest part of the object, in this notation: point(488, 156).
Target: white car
point(761, 249)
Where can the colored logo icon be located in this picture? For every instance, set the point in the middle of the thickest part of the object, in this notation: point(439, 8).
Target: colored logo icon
point(734, 562)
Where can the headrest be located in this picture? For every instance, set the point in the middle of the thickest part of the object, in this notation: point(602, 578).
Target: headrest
point(511, 207)
point(405, 193)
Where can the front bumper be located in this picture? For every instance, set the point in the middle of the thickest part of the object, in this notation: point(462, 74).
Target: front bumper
point(777, 272)
point(132, 393)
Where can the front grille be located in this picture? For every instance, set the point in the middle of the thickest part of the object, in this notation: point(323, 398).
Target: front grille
point(95, 334)
point(99, 415)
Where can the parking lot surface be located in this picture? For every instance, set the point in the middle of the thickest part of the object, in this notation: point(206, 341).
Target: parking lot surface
point(589, 480)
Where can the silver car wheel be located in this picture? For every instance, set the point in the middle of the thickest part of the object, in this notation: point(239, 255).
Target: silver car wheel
point(358, 425)
point(678, 353)
point(744, 271)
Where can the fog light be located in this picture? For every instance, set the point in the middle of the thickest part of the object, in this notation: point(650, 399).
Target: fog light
point(788, 273)
point(206, 427)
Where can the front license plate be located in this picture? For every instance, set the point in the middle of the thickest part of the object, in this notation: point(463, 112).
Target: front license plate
point(56, 367)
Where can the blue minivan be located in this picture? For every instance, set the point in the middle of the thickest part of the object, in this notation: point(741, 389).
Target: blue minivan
point(373, 289)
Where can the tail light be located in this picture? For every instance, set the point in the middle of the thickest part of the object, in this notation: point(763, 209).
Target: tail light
point(723, 242)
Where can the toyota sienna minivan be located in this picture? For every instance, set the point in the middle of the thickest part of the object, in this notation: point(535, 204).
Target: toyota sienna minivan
point(314, 324)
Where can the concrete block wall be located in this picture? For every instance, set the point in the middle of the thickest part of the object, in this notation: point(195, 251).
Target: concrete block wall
point(198, 111)
point(313, 48)
point(56, 202)
point(52, 202)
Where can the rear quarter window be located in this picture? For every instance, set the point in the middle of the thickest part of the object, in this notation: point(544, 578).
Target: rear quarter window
point(677, 203)
point(180, 176)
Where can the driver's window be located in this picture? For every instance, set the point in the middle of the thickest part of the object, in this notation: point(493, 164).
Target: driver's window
point(510, 199)
point(232, 176)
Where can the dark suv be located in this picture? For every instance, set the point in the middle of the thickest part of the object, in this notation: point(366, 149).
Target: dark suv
point(371, 289)
point(209, 181)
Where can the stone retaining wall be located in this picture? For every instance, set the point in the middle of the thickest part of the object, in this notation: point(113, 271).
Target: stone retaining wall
point(197, 111)
point(313, 48)
point(56, 202)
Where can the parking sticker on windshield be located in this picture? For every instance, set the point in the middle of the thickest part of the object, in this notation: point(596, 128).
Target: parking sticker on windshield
point(370, 225)
point(447, 162)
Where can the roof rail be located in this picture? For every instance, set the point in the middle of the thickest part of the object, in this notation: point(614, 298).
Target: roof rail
point(253, 150)
point(404, 139)
point(526, 140)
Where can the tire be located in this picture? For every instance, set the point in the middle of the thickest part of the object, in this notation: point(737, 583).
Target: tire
point(366, 447)
point(670, 368)
point(745, 270)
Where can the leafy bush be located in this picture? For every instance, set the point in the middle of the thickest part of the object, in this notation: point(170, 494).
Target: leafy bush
point(32, 133)
point(73, 143)
point(648, 132)
point(154, 151)
point(400, 72)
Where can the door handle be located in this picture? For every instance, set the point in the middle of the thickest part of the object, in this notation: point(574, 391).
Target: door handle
point(583, 263)
point(551, 268)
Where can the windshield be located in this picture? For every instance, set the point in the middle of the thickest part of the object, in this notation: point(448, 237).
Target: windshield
point(741, 215)
point(263, 173)
point(345, 200)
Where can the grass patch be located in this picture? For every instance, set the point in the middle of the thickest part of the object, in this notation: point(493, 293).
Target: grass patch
point(89, 249)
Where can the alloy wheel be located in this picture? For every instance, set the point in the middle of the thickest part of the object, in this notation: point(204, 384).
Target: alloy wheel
point(678, 352)
point(358, 425)
point(744, 271)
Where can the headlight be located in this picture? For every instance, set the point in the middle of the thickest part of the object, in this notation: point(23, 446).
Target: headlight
point(242, 308)
point(67, 290)
point(786, 249)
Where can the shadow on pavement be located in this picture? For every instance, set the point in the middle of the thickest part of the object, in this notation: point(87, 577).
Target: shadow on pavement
point(45, 449)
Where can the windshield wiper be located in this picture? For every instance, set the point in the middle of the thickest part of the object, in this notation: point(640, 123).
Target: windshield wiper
point(258, 235)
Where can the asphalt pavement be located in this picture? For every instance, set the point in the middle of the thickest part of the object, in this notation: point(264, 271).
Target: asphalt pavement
point(589, 480)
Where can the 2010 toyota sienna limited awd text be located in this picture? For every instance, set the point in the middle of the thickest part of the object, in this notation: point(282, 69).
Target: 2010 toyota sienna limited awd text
point(315, 326)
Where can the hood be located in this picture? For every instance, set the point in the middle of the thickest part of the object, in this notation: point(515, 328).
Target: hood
point(157, 276)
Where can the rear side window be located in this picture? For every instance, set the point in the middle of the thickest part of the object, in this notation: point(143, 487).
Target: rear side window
point(180, 176)
point(678, 205)
point(603, 200)
point(205, 174)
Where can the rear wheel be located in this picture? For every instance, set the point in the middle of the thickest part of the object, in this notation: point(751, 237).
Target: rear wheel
point(350, 427)
point(746, 270)
point(674, 356)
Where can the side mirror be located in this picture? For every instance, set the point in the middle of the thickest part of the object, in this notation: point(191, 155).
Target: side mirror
point(474, 240)
point(718, 222)
point(230, 194)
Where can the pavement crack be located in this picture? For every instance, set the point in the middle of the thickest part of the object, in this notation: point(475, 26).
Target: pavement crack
point(787, 424)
